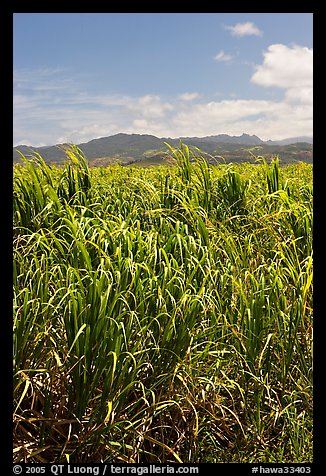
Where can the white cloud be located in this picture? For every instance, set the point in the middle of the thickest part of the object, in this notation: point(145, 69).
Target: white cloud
point(244, 29)
point(301, 95)
point(291, 69)
point(221, 56)
point(149, 106)
point(81, 123)
point(267, 119)
point(285, 67)
point(188, 96)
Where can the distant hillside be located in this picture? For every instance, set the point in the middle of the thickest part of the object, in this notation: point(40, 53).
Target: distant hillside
point(292, 140)
point(144, 148)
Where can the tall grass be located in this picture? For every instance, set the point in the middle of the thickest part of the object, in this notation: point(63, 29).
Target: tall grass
point(162, 314)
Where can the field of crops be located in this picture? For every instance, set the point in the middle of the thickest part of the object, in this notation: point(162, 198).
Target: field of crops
point(162, 314)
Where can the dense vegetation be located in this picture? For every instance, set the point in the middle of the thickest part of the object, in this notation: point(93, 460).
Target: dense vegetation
point(162, 314)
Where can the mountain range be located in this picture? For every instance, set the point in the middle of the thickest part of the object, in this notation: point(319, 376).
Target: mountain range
point(146, 149)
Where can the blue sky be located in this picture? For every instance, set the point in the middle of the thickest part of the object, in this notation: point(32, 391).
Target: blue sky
point(79, 76)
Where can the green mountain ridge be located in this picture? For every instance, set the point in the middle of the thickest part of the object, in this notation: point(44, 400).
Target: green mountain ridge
point(146, 149)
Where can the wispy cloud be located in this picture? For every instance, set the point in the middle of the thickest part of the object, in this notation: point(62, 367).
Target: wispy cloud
point(244, 29)
point(224, 57)
point(43, 79)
